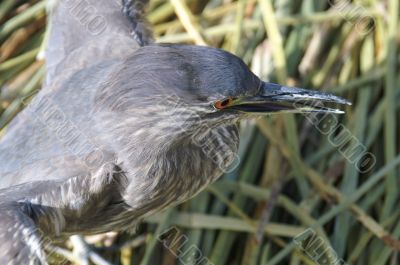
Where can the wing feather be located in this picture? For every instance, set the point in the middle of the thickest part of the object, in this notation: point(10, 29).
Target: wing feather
point(86, 32)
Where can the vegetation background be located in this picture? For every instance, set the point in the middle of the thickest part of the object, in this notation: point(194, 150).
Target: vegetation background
point(309, 189)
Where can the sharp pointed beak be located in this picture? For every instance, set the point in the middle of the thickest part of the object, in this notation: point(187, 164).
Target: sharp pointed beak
point(276, 98)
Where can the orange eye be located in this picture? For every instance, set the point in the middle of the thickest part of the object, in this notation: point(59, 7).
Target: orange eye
point(221, 104)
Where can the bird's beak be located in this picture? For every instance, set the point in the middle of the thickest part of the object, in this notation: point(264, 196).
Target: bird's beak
point(277, 98)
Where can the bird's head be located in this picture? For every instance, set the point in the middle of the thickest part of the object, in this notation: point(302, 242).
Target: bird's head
point(212, 84)
point(166, 95)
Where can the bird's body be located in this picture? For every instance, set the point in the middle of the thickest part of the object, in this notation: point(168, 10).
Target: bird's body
point(79, 173)
point(120, 130)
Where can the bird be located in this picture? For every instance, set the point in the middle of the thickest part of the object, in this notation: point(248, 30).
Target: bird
point(123, 127)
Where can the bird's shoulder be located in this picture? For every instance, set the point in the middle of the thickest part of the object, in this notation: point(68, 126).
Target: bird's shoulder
point(55, 136)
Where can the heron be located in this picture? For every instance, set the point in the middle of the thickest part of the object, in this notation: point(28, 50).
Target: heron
point(123, 127)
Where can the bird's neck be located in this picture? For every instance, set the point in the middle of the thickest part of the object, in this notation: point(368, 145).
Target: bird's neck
point(173, 174)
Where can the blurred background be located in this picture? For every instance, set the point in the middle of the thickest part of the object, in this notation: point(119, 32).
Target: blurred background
point(308, 189)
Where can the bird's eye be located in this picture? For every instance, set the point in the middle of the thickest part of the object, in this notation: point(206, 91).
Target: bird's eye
point(221, 104)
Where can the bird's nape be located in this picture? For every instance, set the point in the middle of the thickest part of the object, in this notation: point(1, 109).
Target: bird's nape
point(273, 98)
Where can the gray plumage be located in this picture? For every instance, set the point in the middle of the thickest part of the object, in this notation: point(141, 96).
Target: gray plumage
point(96, 149)
point(122, 128)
